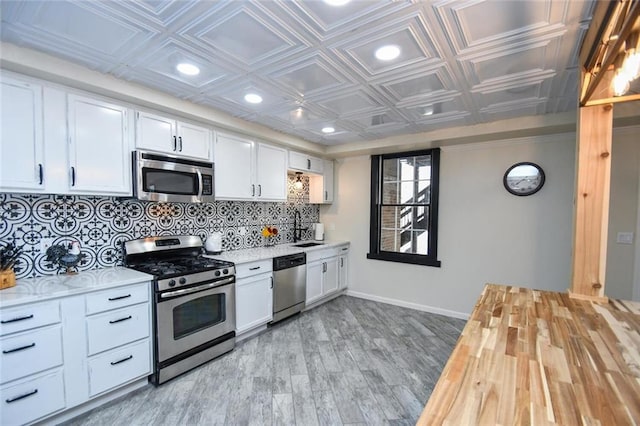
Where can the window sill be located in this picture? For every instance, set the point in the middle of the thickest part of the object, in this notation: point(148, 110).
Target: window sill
point(413, 259)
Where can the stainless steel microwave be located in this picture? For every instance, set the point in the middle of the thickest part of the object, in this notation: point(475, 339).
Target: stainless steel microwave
point(168, 178)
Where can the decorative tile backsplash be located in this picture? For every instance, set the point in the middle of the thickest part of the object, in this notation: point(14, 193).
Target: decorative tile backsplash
point(102, 224)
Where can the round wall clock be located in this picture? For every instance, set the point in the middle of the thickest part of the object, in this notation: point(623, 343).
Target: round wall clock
point(523, 179)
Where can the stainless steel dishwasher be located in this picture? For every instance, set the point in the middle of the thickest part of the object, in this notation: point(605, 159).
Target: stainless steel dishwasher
point(289, 285)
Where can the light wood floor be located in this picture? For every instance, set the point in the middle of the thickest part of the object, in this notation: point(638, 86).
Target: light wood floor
point(349, 361)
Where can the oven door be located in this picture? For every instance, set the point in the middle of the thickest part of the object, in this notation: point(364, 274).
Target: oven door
point(187, 318)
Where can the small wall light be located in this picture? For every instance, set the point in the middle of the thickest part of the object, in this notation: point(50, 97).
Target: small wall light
point(298, 183)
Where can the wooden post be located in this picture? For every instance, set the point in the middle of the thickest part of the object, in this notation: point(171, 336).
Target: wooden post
point(591, 220)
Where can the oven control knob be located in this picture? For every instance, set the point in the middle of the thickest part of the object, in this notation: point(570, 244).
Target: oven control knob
point(172, 283)
point(225, 271)
point(183, 280)
point(216, 273)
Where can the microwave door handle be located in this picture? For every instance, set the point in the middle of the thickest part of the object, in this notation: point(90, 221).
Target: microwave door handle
point(199, 184)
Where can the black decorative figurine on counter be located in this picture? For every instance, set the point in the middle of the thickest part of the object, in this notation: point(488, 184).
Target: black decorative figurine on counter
point(66, 258)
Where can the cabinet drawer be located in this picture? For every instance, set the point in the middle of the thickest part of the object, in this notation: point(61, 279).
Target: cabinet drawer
point(117, 298)
point(29, 316)
point(32, 399)
point(321, 254)
point(116, 328)
point(117, 367)
point(244, 270)
point(30, 353)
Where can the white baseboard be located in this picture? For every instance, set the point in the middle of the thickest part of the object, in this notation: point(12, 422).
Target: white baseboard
point(416, 306)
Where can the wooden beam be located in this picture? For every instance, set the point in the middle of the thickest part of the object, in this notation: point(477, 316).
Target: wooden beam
point(610, 55)
point(603, 13)
point(593, 175)
point(614, 100)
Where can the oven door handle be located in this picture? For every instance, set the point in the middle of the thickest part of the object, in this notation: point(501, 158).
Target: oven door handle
point(182, 292)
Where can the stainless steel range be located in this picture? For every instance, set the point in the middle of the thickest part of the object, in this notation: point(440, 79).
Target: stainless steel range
point(194, 309)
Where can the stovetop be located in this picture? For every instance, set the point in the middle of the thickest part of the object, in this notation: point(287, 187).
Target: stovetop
point(173, 267)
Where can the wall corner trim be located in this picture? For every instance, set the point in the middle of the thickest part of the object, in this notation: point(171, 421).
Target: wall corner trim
point(416, 306)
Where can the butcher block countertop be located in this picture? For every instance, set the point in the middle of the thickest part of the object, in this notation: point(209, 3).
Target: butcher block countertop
point(541, 358)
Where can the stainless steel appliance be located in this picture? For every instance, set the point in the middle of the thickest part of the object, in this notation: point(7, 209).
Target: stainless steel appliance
point(194, 310)
point(166, 178)
point(289, 285)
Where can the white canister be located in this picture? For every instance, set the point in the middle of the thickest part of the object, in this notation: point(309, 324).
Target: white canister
point(319, 231)
point(213, 243)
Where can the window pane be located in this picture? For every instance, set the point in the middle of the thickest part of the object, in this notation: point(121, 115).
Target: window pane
point(390, 217)
point(390, 170)
point(423, 163)
point(388, 241)
point(390, 193)
point(424, 192)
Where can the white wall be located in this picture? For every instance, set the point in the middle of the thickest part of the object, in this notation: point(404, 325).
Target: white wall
point(623, 212)
point(485, 233)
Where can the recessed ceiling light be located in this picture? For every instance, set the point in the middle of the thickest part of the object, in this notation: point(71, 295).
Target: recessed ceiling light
point(253, 98)
point(388, 52)
point(328, 129)
point(188, 69)
point(427, 110)
point(336, 2)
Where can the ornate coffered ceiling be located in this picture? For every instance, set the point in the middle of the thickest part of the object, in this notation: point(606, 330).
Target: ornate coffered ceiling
point(462, 62)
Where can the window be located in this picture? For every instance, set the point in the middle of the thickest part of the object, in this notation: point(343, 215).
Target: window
point(404, 207)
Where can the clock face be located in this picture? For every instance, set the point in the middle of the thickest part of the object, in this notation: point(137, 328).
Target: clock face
point(523, 179)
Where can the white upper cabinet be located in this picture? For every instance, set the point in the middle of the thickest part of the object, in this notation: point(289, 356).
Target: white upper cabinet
point(321, 186)
point(246, 170)
point(271, 173)
point(305, 163)
point(163, 134)
point(99, 147)
point(21, 143)
point(233, 167)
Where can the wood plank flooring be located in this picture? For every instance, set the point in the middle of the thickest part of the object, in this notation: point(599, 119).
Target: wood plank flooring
point(348, 361)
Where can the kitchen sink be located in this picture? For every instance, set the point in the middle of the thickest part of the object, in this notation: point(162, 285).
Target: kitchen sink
point(308, 244)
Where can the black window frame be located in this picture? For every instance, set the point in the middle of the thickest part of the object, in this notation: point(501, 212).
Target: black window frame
point(430, 259)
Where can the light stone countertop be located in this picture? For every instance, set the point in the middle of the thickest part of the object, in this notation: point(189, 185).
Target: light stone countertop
point(263, 253)
point(29, 290)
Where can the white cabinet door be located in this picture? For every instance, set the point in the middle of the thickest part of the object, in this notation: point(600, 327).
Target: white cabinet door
point(194, 141)
point(155, 133)
point(305, 163)
point(21, 136)
point(254, 302)
point(271, 173)
point(321, 186)
point(314, 281)
point(331, 276)
point(327, 174)
point(234, 168)
point(99, 156)
point(344, 270)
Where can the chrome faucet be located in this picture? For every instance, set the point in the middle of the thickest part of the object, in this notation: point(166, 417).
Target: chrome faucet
point(297, 231)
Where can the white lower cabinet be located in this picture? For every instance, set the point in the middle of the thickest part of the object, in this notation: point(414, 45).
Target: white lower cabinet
point(108, 370)
point(254, 295)
point(322, 274)
point(32, 398)
point(59, 354)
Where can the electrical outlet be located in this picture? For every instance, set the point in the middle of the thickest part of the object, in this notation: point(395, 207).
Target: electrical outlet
point(242, 230)
point(624, 238)
point(45, 243)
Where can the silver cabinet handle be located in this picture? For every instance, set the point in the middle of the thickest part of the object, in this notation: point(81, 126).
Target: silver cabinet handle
point(40, 174)
point(73, 176)
point(308, 164)
point(342, 262)
point(253, 190)
point(259, 190)
point(21, 348)
point(175, 143)
point(271, 282)
point(326, 195)
point(255, 268)
point(180, 139)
